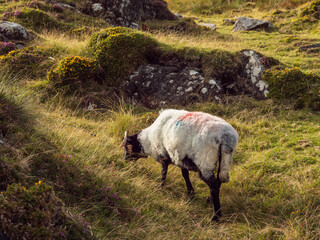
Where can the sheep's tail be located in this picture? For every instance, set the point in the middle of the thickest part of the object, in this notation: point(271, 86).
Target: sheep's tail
point(219, 168)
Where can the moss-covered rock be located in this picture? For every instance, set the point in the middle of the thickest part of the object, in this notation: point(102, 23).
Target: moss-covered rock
point(6, 47)
point(220, 64)
point(72, 73)
point(98, 37)
point(120, 54)
point(28, 61)
point(294, 84)
point(36, 213)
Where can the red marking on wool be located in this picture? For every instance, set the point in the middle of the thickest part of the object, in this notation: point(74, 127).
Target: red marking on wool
point(195, 117)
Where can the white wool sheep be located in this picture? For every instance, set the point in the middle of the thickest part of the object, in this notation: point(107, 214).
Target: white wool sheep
point(193, 141)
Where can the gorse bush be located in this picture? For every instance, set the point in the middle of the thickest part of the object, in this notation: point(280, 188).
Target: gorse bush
point(35, 213)
point(313, 7)
point(294, 84)
point(119, 54)
point(72, 72)
point(6, 47)
point(98, 37)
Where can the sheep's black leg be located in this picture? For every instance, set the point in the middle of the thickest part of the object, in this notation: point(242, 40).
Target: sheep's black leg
point(185, 174)
point(214, 186)
point(164, 173)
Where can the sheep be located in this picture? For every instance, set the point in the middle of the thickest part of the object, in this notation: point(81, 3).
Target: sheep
point(194, 141)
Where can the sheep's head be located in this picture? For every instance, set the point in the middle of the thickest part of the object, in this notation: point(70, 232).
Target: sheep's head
point(132, 147)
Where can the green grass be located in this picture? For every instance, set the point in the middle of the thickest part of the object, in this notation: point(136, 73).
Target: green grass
point(274, 188)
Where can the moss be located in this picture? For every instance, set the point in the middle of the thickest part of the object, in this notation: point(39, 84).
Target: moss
point(294, 84)
point(37, 20)
point(26, 61)
point(36, 213)
point(73, 72)
point(120, 54)
point(221, 64)
point(98, 37)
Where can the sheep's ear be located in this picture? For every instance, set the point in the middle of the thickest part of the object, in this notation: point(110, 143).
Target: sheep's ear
point(124, 139)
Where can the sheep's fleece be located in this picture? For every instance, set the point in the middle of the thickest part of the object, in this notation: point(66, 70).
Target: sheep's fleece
point(196, 135)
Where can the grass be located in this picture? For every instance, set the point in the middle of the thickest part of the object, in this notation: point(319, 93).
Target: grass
point(274, 189)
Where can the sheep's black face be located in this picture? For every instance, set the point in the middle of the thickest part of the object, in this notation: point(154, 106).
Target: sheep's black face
point(132, 148)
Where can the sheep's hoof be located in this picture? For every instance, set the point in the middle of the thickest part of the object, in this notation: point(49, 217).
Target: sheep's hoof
point(191, 193)
point(161, 185)
point(215, 218)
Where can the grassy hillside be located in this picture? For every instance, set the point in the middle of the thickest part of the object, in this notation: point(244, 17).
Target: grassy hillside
point(54, 148)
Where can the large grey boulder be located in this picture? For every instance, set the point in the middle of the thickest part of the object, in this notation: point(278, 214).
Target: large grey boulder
point(124, 12)
point(177, 80)
point(247, 24)
point(155, 85)
point(10, 31)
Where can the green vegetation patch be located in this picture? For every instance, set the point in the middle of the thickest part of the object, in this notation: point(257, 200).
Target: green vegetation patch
point(6, 47)
point(221, 64)
point(36, 213)
point(294, 84)
point(36, 20)
point(98, 37)
point(31, 61)
point(119, 54)
point(73, 72)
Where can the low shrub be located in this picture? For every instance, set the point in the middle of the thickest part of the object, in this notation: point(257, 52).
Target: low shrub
point(74, 72)
point(120, 54)
point(36, 213)
point(312, 8)
point(98, 37)
point(28, 61)
point(37, 20)
point(39, 5)
point(6, 47)
point(294, 84)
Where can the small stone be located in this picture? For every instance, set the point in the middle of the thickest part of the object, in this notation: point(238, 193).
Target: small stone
point(211, 26)
point(97, 7)
point(189, 89)
point(192, 72)
point(204, 90)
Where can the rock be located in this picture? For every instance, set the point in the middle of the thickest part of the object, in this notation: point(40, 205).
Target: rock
point(156, 85)
point(209, 25)
point(135, 26)
point(97, 9)
point(255, 66)
point(179, 15)
point(125, 12)
point(310, 48)
point(247, 24)
point(66, 6)
point(20, 46)
point(228, 21)
point(13, 31)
